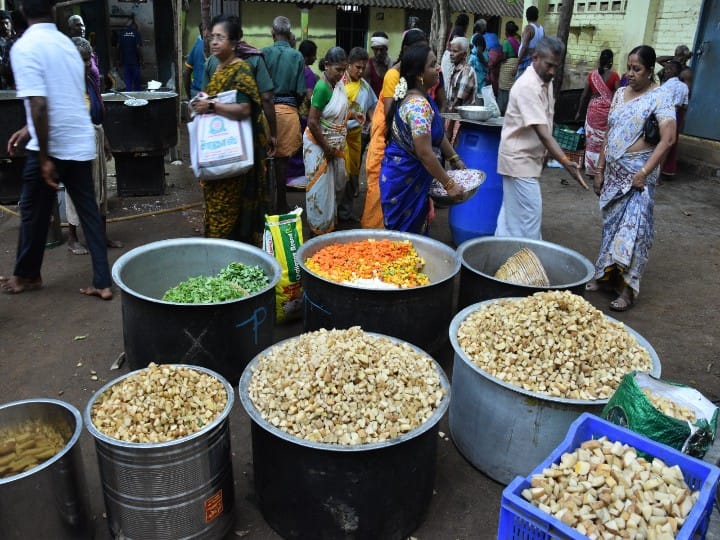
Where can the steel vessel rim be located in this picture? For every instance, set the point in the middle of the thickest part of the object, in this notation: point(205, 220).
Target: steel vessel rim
point(153, 95)
point(589, 268)
point(68, 446)
point(376, 234)
point(125, 257)
point(99, 436)
point(256, 417)
point(460, 353)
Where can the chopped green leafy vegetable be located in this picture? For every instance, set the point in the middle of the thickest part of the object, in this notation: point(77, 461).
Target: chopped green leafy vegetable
point(232, 282)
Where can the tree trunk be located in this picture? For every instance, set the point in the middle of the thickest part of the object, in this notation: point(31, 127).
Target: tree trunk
point(438, 26)
point(563, 32)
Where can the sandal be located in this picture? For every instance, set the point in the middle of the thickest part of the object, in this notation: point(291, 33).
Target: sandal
point(592, 285)
point(623, 302)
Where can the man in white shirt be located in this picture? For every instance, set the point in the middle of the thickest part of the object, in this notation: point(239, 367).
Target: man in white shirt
point(50, 76)
point(525, 140)
point(679, 92)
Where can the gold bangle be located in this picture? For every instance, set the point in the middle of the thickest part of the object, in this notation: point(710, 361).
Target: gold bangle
point(642, 170)
point(449, 185)
point(565, 159)
point(454, 158)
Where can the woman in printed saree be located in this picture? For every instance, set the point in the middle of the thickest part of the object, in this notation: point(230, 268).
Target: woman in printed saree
point(600, 87)
point(362, 101)
point(324, 144)
point(416, 139)
point(626, 177)
point(235, 207)
point(372, 217)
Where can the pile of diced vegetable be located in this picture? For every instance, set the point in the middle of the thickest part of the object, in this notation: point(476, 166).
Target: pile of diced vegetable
point(393, 262)
point(235, 281)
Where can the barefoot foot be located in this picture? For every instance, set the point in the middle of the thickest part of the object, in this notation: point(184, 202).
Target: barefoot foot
point(17, 285)
point(76, 248)
point(105, 294)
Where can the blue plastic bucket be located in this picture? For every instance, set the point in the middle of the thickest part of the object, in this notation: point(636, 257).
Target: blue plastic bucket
point(478, 147)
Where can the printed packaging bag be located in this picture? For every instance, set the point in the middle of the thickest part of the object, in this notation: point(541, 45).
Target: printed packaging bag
point(220, 147)
point(282, 239)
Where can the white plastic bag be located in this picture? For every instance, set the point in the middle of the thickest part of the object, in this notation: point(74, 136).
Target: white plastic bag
point(220, 147)
point(489, 101)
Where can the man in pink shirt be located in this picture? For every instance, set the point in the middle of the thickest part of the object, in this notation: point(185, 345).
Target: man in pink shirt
point(525, 140)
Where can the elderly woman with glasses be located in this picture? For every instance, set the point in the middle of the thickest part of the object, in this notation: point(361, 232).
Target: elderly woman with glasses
point(235, 207)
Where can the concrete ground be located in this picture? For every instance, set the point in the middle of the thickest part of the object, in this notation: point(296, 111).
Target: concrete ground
point(41, 354)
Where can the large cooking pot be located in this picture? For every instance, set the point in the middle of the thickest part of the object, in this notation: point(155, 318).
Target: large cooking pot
point(12, 112)
point(182, 488)
point(505, 430)
point(417, 314)
point(51, 499)
point(150, 128)
point(375, 491)
point(482, 257)
point(223, 336)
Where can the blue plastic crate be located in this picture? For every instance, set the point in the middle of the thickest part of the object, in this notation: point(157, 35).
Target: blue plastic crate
point(520, 520)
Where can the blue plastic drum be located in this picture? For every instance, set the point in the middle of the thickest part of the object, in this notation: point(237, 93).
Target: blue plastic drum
point(478, 147)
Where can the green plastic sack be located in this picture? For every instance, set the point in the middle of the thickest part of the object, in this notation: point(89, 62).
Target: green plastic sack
point(631, 408)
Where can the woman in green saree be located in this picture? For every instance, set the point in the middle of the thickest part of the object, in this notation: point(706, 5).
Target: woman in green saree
point(235, 207)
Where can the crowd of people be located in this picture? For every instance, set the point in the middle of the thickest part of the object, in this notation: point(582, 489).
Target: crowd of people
point(390, 112)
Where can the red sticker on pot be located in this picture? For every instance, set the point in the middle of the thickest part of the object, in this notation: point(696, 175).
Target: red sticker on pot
point(213, 507)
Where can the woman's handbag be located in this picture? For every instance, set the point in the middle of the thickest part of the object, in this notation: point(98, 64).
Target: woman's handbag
point(220, 147)
point(651, 130)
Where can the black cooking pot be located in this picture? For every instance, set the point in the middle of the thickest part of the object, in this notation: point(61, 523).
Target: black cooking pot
point(149, 128)
point(12, 112)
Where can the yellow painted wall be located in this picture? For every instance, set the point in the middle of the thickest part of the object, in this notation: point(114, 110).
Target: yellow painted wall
point(256, 19)
point(675, 24)
point(663, 24)
point(392, 23)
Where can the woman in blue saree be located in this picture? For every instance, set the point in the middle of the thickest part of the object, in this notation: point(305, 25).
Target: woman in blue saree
point(416, 139)
point(626, 177)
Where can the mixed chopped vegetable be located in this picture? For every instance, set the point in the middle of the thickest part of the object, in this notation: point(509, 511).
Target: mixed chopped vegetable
point(390, 261)
point(235, 281)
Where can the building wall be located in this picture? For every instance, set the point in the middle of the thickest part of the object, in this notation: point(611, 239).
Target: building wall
point(675, 24)
point(256, 19)
point(392, 22)
point(619, 25)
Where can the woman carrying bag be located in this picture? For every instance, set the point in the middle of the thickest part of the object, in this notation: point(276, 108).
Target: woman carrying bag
point(641, 129)
point(235, 207)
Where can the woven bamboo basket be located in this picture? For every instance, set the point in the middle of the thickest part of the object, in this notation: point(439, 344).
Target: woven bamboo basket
point(524, 268)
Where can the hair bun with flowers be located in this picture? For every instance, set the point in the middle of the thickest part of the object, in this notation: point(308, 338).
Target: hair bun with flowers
point(400, 89)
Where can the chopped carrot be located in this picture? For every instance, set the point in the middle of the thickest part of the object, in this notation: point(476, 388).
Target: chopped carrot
point(391, 261)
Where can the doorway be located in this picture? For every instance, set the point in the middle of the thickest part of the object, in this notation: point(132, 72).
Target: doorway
point(351, 22)
point(703, 113)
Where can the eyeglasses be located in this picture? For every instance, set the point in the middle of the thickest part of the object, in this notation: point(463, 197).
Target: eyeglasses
point(218, 37)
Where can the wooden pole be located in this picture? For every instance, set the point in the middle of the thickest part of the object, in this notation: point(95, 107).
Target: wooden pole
point(179, 64)
point(563, 32)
